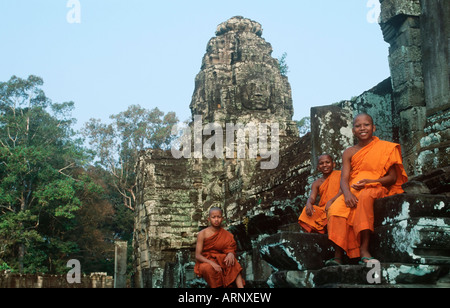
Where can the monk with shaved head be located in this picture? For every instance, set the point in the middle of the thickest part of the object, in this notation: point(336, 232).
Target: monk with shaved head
point(313, 218)
point(371, 169)
point(216, 254)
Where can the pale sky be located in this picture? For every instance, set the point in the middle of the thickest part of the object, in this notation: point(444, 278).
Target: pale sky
point(110, 54)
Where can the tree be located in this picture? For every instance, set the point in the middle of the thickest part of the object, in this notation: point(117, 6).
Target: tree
point(118, 144)
point(284, 68)
point(304, 126)
point(42, 183)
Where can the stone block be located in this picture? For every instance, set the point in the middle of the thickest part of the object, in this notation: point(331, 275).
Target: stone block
point(345, 274)
point(415, 187)
point(331, 128)
point(256, 269)
point(409, 95)
point(404, 206)
point(402, 59)
point(296, 251)
point(389, 274)
point(391, 9)
point(435, 23)
point(437, 180)
point(412, 123)
point(432, 158)
point(291, 279)
point(423, 240)
point(377, 102)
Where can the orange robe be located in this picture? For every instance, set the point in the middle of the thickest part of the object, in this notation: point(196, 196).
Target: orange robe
point(371, 162)
point(216, 248)
point(318, 221)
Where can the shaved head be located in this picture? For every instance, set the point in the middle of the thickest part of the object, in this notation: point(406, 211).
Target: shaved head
point(326, 155)
point(215, 209)
point(363, 114)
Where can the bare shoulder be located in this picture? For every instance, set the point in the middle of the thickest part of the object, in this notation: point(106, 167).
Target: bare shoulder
point(201, 234)
point(318, 182)
point(206, 233)
point(349, 152)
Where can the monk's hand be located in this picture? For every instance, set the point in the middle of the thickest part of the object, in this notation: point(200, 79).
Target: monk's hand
point(361, 184)
point(216, 267)
point(309, 209)
point(229, 259)
point(350, 200)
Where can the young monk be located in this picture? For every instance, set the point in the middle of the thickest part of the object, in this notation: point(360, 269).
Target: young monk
point(216, 254)
point(313, 217)
point(371, 169)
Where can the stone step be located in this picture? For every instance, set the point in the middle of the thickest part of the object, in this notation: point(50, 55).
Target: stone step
point(403, 206)
point(410, 228)
point(424, 240)
point(296, 250)
point(386, 275)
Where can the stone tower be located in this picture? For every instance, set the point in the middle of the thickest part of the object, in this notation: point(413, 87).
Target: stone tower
point(239, 83)
point(239, 79)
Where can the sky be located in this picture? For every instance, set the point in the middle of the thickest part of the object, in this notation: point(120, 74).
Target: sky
point(106, 55)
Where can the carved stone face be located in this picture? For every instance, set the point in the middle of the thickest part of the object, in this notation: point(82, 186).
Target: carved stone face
point(239, 78)
point(254, 96)
point(253, 88)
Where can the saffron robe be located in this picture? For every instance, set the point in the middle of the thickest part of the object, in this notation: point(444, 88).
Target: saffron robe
point(216, 248)
point(371, 162)
point(318, 221)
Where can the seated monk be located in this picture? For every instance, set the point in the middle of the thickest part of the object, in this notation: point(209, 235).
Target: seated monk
point(216, 254)
point(371, 169)
point(313, 217)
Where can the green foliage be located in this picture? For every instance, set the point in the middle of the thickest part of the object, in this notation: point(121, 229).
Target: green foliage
point(54, 205)
point(5, 267)
point(284, 68)
point(304, 126)
point(43, 184)
point(118, 144)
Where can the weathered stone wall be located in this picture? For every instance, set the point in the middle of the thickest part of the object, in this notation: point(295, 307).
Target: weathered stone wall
point(331, 126)
point(435, 26)
point(168, 213)
point(13, 280)
point(418, 33)
point(411, 107)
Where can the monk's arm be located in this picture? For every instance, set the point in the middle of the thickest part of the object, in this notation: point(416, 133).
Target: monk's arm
point(198, 253)
point(388, 180)
point(314, 192)
point(230, 252)
point(350, 199)
point(312, 198)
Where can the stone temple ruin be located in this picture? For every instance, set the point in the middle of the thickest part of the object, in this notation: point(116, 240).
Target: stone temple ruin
point(240, 82)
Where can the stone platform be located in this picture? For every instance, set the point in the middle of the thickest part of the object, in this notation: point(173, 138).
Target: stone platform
point(411, 240)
